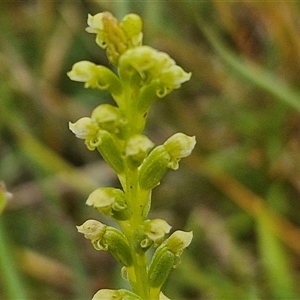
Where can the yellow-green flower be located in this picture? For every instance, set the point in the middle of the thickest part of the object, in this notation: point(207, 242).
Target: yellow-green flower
point(84, 71)
point(178, 241)
point(113, 36)
point(156, 230)
point(178, 146)
point(144, 65)
point(85, 128)
point(110, 201)
point(92, 229)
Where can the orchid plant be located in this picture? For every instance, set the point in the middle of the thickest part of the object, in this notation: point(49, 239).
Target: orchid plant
point(142, 75)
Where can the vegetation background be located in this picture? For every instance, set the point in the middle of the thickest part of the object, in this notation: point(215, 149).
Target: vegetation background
point(239, 191)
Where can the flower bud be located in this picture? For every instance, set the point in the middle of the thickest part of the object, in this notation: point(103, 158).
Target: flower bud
point(132, 25)
point(110, 201)
point(135, 64)
point(110, 151)
point(110, 35)
point(178, 146)
point(154, 168)
point(137, 148)
point(122, 294)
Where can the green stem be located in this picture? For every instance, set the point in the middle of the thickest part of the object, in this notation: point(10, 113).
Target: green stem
point(140, 261)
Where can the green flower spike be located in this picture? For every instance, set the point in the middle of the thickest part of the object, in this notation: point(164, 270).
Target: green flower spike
point(142, 75)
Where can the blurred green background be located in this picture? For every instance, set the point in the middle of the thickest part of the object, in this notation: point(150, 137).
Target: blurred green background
point(239, 191)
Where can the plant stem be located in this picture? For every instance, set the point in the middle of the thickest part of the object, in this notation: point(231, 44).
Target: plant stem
point(139, 279)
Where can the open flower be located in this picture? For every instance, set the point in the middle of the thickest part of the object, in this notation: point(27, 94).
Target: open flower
point(95, 76)
point(108, 117)
point(137, 148)
point(178, 146)
point(92, 229)
point(178, 241)
point(143, 66)
point(155, 230)
point(84, 128)
point(87, 130)
point(84, 71)
point(110, 201)
point(172, 78)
